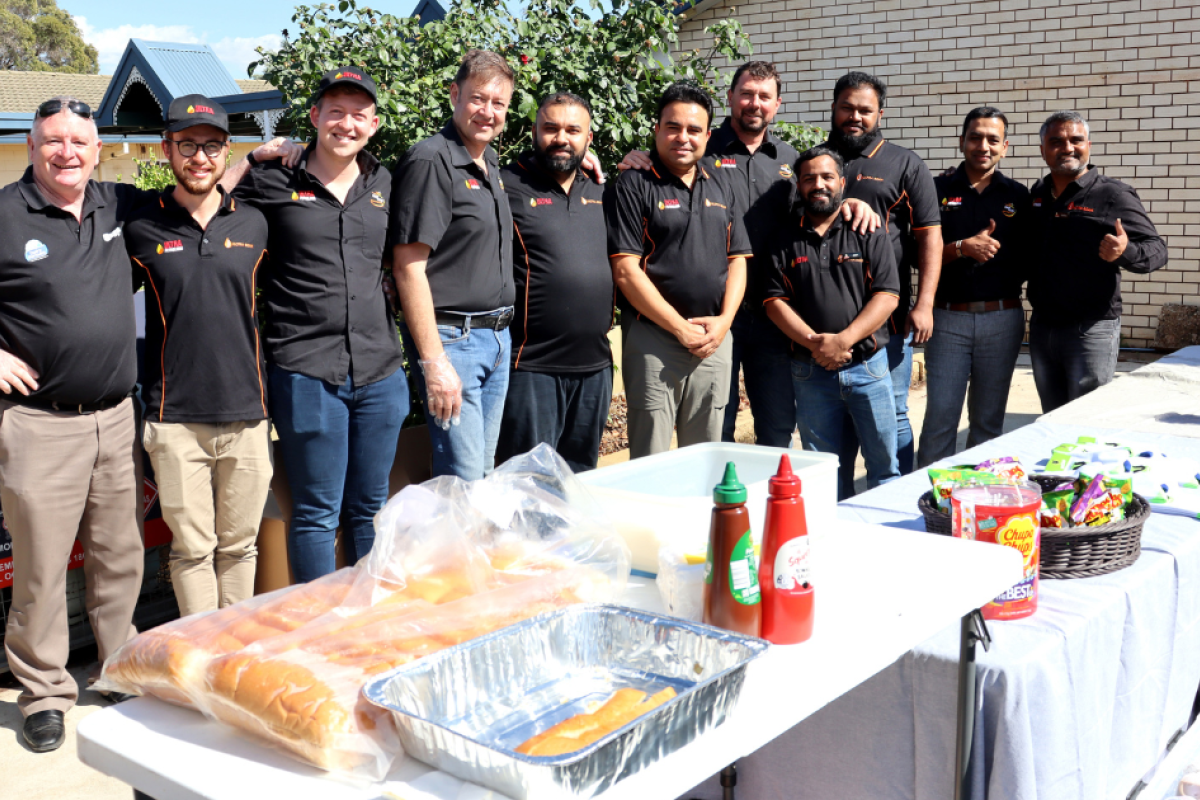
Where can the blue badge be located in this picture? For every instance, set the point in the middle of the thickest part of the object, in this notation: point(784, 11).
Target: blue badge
point(35, 251)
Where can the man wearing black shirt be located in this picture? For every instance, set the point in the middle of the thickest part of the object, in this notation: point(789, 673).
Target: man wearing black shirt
point(560, 385)
point(199, 252)
point(831, 292)
point(452, 241)
point(1087, 228)
point(337, 392)
point(678, 249)
point(978, 318)
point(896, 182)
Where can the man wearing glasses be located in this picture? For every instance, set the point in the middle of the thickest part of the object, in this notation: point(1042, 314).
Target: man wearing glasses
point(200, 255)
point(68, 442)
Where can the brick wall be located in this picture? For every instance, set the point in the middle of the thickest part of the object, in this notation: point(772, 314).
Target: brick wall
point(1132, 68)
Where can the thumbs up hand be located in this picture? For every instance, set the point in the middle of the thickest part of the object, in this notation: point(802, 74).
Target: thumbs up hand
point(982, 247)
point(1114, 244)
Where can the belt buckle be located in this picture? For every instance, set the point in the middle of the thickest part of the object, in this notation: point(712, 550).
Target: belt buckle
point(977, 306)
point(504, 318)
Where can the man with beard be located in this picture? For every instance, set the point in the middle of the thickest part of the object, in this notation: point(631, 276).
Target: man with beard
point(678, 250)
point(560, 383)
point(831, 292)
point(1087, 228)
point(452, 242)
point(897, 184)
point(759, 165)
point(979, 321)
point(199, 252)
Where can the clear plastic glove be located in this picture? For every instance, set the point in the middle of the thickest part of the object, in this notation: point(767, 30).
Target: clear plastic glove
point(443, 390)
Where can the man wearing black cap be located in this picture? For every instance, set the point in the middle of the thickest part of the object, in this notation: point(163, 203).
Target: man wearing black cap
point(338, 395)
point(68, 445)
point(200, 254)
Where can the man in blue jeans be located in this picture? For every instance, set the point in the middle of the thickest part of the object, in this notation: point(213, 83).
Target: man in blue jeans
point(831, 292)
point(1087, 228)
point(452, 238)
point(336, 390)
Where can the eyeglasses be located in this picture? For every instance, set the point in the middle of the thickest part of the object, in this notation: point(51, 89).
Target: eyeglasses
point(188, 149)
point(52, 107)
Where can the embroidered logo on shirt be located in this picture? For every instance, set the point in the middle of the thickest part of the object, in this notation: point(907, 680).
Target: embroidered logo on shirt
point(473, 184)
point(1009, 210)
point(35, 250)
point(663, 205)
point(869, 178)
point(172, 246)
point(1037, 202)
point(800, 260)
point(377, 199)
point(534, 202)
point(726, 163)
point(113, 234)
point(951, 202)
point(230, 243)
point(1072, 207)
point(844, 257)
point(588, 202)
point(708, 203)
point(785, 170)
point(304, 196)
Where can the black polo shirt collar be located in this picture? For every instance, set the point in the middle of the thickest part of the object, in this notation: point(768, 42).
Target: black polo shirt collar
point(725, 140)
point(1082, 183)
point(528, 162)
point(367, 164)
point(92, 198)
point(662, 173)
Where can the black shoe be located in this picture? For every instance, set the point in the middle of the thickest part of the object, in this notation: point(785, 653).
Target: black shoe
point(44, 731)
point(117, 697)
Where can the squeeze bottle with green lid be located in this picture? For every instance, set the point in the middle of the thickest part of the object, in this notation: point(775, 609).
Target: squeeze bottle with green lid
point(731, 590)
point(786, 576)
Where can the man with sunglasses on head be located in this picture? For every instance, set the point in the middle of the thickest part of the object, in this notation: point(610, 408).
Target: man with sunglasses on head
point(68, 440)
point(200, 255)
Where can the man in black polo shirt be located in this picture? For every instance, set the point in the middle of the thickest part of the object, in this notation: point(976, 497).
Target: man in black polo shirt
point(560, 385)
point(896, 182)
point(1087, 228)
point(831, 292)
point(978, 318)
point(337, 392)
point(678, 248)
point(199, 253)
point(452, 236)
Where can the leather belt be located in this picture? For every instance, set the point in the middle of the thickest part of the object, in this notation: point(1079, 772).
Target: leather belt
point(72, 408)
point(981, 306)
point(498, 321)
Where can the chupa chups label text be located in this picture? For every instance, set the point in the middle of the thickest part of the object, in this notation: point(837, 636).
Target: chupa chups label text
point(1008, 518)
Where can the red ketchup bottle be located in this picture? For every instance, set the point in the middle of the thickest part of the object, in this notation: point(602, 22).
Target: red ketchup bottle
point(785, 573)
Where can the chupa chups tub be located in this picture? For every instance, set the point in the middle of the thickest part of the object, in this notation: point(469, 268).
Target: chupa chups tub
point(1005, 514)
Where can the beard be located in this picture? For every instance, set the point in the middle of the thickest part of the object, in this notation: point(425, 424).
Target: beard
point(1064, 171)
point(821, 204)
point(848, 146)
point(751, 123)
point(200, 187)
point(562, 160)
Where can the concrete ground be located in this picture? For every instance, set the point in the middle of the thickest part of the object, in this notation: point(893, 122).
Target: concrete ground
point(49, 776)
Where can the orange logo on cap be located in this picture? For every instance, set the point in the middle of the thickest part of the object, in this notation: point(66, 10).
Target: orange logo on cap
point(345, 74)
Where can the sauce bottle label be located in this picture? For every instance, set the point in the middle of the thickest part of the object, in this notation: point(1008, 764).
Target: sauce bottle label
point(743, 572)
point(792, 567)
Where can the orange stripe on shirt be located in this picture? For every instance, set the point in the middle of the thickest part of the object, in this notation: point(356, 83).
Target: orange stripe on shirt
point(528, 280)
point(262, 393)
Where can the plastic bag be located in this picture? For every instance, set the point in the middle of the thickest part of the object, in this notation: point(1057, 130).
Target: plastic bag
point(680, 584)
point(452, 560)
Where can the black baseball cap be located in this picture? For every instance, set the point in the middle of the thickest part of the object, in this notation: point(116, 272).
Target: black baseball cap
point(196, 109)
point(345, 76)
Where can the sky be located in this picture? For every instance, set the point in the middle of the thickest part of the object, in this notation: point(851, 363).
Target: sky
point(233, 28)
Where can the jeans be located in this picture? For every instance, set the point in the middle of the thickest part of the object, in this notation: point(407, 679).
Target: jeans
point(979, 350)
point(761, 350)
point(566, 410)
point(338, 444)
point(1070, 361)
point(480, 356)
point(899, 356)
point(862, 392)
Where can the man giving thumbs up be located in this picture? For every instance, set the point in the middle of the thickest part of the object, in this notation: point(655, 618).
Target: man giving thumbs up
point(1087, 228)
point(978, 322)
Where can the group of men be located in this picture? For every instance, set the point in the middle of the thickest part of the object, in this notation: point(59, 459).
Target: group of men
point(267, 299)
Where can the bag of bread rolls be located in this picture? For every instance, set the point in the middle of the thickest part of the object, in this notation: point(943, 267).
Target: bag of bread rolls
point(452, 560)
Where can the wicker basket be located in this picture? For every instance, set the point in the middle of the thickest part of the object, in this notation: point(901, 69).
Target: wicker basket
point(1080, 552)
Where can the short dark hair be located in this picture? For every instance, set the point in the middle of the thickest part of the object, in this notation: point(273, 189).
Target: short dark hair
point(1064, 117)
point(813, 153)
point(482, 65)
point(566, 99)
point(685, 92)
point(759, 70)
point(985, 112)
point(856, 80)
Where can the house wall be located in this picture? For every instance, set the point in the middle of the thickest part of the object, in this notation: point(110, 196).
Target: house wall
point(1131, 67)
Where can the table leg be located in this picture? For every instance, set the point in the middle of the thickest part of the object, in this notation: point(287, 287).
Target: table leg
point(973, 630)
point(728, 781)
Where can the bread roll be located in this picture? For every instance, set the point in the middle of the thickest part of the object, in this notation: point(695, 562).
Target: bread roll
point(579, 731)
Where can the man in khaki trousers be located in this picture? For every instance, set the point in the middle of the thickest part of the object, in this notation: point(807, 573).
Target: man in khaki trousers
point(200, 254)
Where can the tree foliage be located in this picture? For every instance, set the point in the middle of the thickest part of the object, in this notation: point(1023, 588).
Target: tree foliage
point(620, 61)
point(37, 35)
